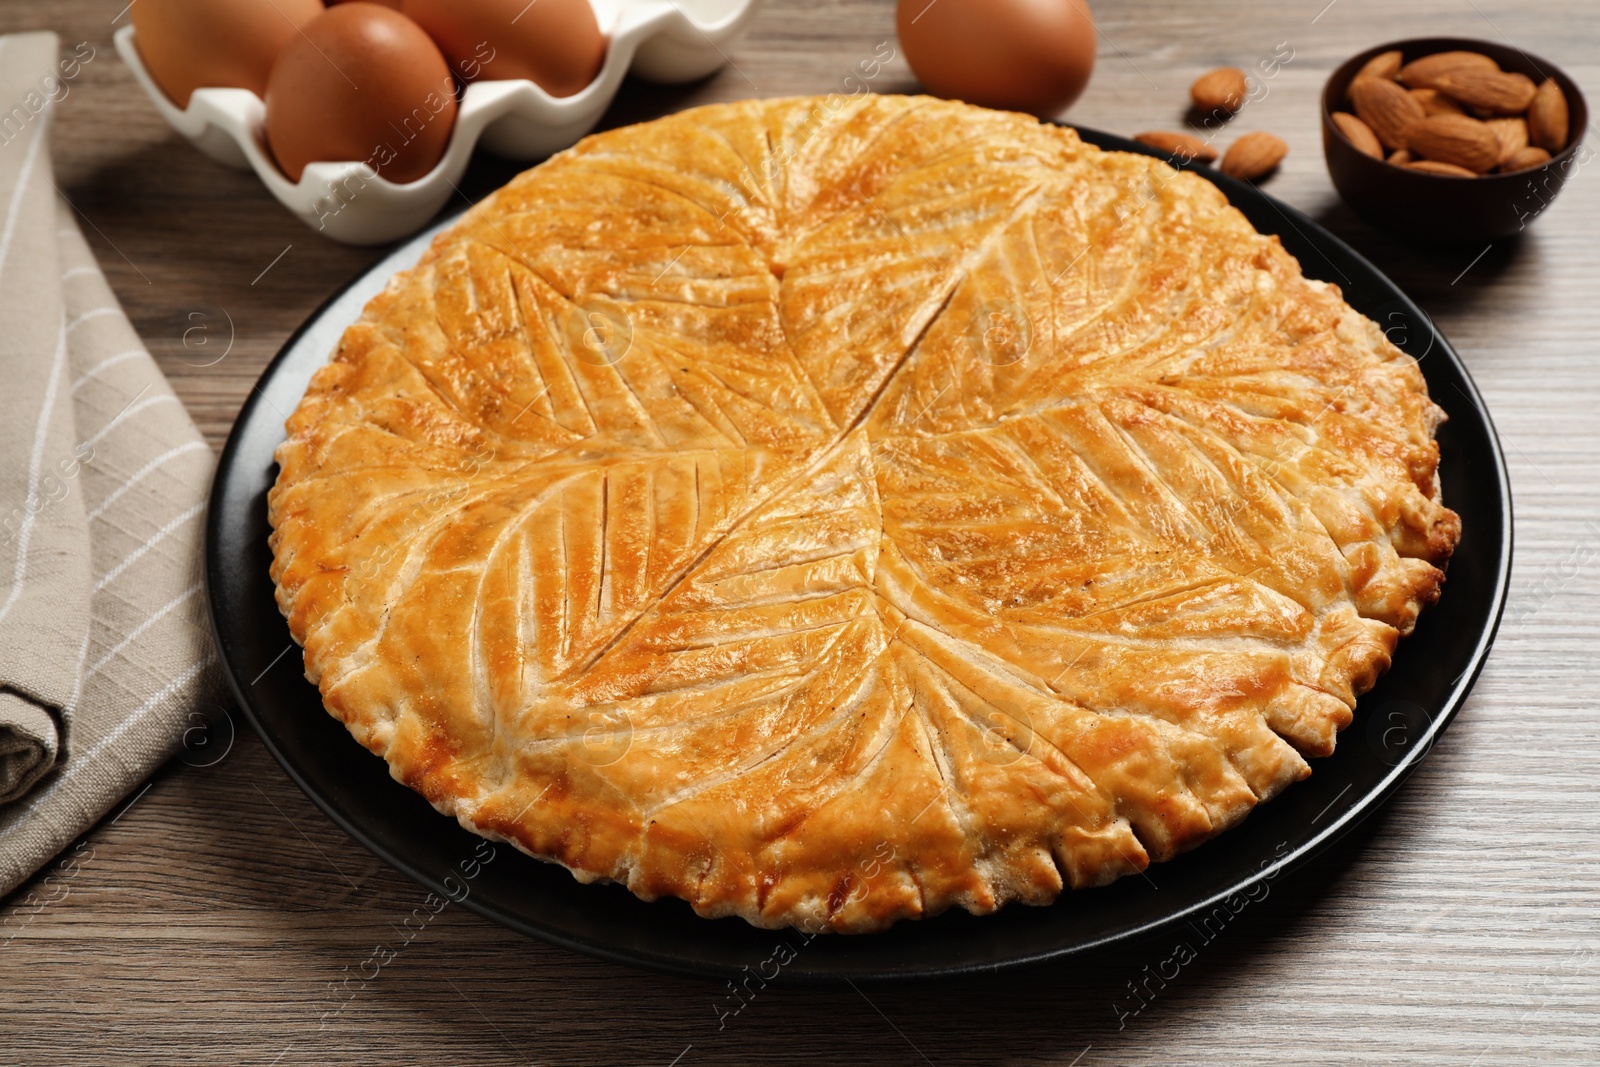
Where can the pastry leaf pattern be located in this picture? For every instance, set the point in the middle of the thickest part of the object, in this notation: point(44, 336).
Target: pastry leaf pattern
point(832, 512)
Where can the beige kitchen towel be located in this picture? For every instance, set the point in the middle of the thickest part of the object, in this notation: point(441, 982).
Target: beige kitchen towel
point(44, 558)
point(105, 653)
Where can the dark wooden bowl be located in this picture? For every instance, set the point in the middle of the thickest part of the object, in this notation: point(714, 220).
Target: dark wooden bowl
point(1439, 209)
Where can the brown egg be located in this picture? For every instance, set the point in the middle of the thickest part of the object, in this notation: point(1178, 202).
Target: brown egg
point(193, 44)
point(556, 44)
point(363, 83)
point(1022, 55)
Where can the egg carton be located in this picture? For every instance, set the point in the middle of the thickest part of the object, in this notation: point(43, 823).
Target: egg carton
point(667, 41)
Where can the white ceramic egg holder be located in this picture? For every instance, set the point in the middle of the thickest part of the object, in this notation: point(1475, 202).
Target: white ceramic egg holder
point(662, 40)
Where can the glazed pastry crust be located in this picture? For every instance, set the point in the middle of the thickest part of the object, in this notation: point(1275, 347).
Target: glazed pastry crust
point(833, 511)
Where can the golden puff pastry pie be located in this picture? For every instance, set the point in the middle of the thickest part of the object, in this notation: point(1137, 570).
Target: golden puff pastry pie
point(833, 511)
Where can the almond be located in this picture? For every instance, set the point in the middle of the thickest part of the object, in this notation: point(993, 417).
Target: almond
point(1528, 157)
point(1178, 144)
point(1384, 65)
point(1436, 103)
point(1400, 158)
point(1253, 156)
point(1512, 134)
point(1423, 73)
point(1455, 139)
point(1493, 91)
point(1547, 118)
point(1358, 133)
point(1223, 89)
point(1386, 108)
point(1434, 166)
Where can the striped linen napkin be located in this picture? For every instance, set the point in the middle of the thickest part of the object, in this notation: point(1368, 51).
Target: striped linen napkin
point(105, 652)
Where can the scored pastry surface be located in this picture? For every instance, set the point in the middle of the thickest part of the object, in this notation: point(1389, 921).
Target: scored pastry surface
point(833, 511)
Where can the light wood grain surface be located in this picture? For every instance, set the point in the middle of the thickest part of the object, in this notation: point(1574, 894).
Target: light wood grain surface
point(218, 918)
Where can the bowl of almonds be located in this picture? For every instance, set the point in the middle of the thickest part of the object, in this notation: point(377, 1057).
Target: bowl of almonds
point(1451, 141)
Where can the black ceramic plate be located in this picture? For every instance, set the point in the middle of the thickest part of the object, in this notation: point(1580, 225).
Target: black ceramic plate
point(1394, 726)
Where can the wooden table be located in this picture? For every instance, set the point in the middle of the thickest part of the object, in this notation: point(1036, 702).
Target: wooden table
point(214, 919)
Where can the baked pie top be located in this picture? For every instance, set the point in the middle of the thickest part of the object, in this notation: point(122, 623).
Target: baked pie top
point(832, 511)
